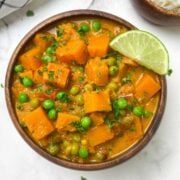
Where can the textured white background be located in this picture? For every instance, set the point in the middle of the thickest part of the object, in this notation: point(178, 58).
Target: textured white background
point(159, 160)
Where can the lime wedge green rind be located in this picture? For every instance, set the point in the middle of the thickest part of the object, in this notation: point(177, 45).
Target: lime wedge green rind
point(144, 48)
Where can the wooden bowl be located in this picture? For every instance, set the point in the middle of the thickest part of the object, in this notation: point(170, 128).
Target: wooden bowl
point(109, 163)
point(156, 14)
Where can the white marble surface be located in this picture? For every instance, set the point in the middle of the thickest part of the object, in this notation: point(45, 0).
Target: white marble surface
point(159, 160)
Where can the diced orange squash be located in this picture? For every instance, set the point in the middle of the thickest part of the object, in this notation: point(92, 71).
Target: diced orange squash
point(29, 60)
point(28, 74)
point(57, 74)
point(64, 121)
point(146, 87)
point(75, 50)
point(42, 40)
point(38, 75)
point(99, 135)
point(97, 118)
point(130, 62)
point(98, 45)
point(97, 71)
point(38, 123)
point(97, 101)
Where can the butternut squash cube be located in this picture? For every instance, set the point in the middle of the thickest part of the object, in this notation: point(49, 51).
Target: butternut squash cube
point(38, 123)
point(146, 87)
point(42, 40)
point(97, 118)
point(64, 121)
point(29, 60)
point(97, 72)
point(98, 45)
point(75, 50)
point(57, 74)
point(99, 135)
point(97, 101)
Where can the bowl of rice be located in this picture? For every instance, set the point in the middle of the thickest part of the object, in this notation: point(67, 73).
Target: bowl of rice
point(161, 12)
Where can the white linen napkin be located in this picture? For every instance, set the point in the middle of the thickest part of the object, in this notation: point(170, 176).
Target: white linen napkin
point(8, 6)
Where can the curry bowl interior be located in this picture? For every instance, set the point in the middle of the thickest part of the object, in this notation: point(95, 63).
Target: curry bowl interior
point(49, 23)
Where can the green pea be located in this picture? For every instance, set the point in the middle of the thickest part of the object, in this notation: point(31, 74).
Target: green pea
point(34, 103)
point(62, 96)
point(74, 149)
point(83, 152)
point(77, 137)
point(138, 111)
point(53, 149)
point(122, 103)
point(48, 104)
point(86, 122)
point(52, 114)
point(74, 90)
point(79, 99)
point(18, 68)
point(88, 87)
point(113, 70)
point(113, 86)
point(84, 27)
point(47, 58)
point(23, 97)
point(50, 50)
point(111, 61)
point(27, 82)
point(96, 25)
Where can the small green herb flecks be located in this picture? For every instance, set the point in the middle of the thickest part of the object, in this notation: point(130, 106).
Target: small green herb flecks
point(77, 125)
point(170, 71)
point(45, 68)
point(51, 75)
point(44, 37)
point(132, 129)
point(40, 72)
point(37, 57)
point(83, 178)
point(29, 13)
point(58, 109)
point(20, 107)
point(81, 79)
point(59, 32)
point(49, 91)
point(1, 85)
point(110, 121)
point(39, 88)
point(126, 79)
point(63, 97)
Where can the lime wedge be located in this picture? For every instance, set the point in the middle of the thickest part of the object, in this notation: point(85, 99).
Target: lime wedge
point(144, 48)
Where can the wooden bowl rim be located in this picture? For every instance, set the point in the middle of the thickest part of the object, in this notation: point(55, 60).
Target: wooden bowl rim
point(95, 166)
point(161, 10)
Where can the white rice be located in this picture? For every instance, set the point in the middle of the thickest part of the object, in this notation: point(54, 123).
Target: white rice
point(168, 4)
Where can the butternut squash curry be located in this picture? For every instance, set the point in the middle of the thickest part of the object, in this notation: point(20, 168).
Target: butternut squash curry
point(78, 99)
